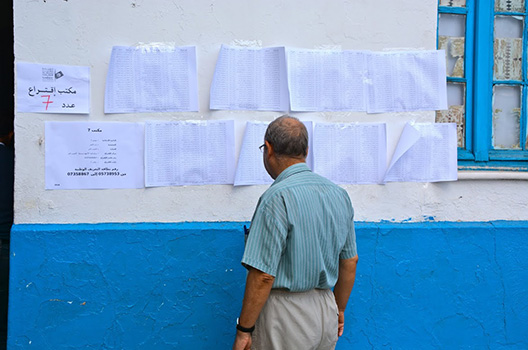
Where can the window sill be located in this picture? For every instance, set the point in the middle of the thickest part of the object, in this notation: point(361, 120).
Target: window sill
point(492, 175)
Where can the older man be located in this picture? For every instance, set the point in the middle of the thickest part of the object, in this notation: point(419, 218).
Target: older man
point(301, 244)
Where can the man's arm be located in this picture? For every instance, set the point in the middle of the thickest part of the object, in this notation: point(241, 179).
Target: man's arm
point(343, 288)
point(258, 287)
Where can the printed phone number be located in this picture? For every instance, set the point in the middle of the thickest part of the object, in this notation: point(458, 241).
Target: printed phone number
point(99, 173)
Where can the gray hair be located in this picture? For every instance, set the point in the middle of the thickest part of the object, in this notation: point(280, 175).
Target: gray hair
point(288, 136)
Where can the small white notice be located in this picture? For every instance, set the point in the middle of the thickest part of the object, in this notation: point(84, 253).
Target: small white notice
point(426, 152)
point(189, 153)
point(152, 78)
point(94, 155)
point(350, 153)
point(43, 88)
point(250, 79)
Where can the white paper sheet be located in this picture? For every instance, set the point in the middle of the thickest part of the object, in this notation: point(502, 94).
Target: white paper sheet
point(425, 153)
point(152, 78)
point(250, 79)
point(94, 155)
point(350, 153)
point(189, 153)
point(43, 88)
point(309, 156)
point(250, 168)
point(406, 81)
point(326, 80)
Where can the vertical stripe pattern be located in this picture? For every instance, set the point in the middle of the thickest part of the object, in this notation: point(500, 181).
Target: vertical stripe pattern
point(302, 226)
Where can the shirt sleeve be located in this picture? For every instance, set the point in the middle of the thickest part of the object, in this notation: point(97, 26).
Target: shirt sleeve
point(350, 248)
point(267, 238)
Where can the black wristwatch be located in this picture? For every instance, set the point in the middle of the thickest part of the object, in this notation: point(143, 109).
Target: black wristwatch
point(244, 329)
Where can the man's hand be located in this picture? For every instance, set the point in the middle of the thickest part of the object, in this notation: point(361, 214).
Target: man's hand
point(258, 287)
point(343, 288)
point(242, 341)
point(340, 323)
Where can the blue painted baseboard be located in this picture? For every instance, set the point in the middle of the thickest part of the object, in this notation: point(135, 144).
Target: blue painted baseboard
point(179, 286)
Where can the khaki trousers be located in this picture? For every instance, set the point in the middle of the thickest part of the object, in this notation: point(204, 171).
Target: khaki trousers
point(297, 321)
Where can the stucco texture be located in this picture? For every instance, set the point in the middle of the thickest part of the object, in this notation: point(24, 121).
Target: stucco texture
point(180, 286)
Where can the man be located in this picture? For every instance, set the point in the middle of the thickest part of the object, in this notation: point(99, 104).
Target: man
point(301, 244)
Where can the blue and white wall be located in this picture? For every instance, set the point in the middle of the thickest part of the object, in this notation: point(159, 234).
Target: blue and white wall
point(441, 265)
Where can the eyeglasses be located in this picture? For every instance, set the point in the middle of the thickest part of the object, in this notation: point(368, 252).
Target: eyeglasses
point(262, 147)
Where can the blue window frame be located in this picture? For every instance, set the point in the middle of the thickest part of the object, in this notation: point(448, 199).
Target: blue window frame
point(486, 53)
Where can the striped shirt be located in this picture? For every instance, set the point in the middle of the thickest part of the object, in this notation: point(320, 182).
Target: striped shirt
point(302, 226)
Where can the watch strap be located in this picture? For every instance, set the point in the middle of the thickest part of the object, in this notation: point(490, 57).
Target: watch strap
point(244, 329)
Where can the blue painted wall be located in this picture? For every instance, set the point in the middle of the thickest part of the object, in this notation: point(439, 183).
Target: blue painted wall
point(179, 286)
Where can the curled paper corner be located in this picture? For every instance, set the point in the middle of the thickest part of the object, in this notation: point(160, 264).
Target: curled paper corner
point(247, 43)
point(328, 47)
point(156, 46)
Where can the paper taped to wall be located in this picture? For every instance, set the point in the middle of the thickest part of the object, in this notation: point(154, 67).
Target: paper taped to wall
point(406, 81)
point(43, 88)
point(189, 153)
point(85, 155)
point(326, 80)
point(250, 79)
point(250, 168)
point(426, 152)
point(350, 153)
point(158, 79)
point(329, 80)
point(94, 155)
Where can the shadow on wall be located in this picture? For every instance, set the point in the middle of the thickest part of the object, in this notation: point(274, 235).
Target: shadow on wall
point(6, 156)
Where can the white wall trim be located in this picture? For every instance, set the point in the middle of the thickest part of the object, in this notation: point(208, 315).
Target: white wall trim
point(493, 175)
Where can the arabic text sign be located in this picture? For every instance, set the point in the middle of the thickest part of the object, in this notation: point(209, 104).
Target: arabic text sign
point(45, 88)
point(94, 155)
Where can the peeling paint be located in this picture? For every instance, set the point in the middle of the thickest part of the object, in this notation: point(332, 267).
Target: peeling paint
point(508, 59)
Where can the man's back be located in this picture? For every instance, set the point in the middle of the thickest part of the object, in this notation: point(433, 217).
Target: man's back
point(301, 243)
point(312, 227)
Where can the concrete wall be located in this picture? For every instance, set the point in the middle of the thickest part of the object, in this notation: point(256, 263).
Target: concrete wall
point(440, 264)
point(83, 33)
point(180, 286)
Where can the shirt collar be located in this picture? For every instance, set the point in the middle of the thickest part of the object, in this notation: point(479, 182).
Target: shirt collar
point(291, 170)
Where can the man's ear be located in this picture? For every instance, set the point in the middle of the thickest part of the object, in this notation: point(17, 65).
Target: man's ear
point(269, 148)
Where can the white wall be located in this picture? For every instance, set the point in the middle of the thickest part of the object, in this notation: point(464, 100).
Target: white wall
point(83, 33)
